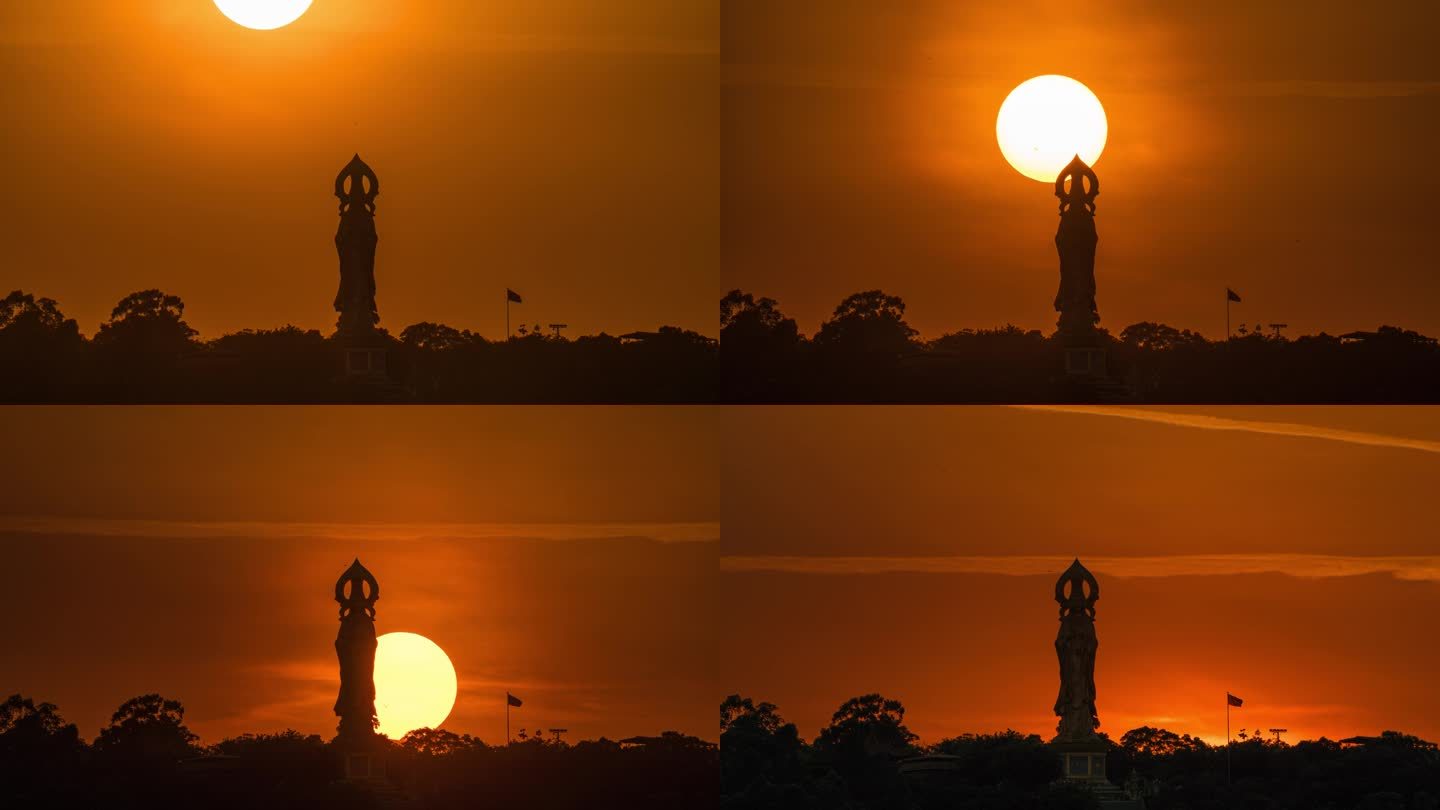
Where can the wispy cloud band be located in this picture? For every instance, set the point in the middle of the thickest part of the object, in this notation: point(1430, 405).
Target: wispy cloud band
point(705, 532)
point(1305, 566)
point(1206, 422)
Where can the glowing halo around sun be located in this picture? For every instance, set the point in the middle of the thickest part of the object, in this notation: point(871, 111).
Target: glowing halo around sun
point(263, 15)
point(415, 684)
point(1047, 121)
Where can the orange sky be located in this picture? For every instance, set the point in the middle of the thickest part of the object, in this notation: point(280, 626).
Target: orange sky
point(564, 148)
point(1285, 555)
point(1277, 153)
point(194, 552)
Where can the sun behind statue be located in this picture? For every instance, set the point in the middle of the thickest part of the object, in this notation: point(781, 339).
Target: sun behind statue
point(263, 15)
point(1048, 120)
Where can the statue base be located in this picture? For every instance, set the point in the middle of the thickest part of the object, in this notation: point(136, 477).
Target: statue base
point(362, 756)
point(363, 766)
point(364, 363)
point(1082, 761)
point(362, 356)
point(1085, 361)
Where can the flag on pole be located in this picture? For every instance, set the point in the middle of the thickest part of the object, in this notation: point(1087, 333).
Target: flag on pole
point(1231, 700)
point(511, 700)
point(1229, 296)
point(511, 295)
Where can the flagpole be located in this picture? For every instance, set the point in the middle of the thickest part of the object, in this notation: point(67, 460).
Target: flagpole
point(507, 337)
point(1227, 337)
point(507, 694)
point(1227, 694)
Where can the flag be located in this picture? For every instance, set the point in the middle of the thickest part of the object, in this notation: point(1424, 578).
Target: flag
point(511, 295)
point(1229, 700)
point(511, 700)
point(1229, 295)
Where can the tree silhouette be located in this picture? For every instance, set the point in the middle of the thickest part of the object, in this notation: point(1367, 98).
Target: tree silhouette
point(150, 319)
point(865, 737)
point(1007, 758)
point(1149, 336)
point(38, 749)
point(436, 337)
point(39, 347)
point(437, 742)
point(868, 323)
point(867, 353)
point(148, 727)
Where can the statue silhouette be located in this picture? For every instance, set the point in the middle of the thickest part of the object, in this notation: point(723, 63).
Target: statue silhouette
point(357, 592)
point(1075, 240)
point(1075, 646)
point(355, 242)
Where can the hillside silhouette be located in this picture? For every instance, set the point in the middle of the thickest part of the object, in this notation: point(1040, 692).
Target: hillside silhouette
point(867, 352)
point(858, 762)
point(146, 758)
point(146, 352)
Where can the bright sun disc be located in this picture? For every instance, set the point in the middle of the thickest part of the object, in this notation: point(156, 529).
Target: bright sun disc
point(263, 15)
point(1047, 121)
point(415, 684)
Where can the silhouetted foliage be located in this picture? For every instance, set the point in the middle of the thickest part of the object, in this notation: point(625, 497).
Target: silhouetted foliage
point(148, 727)
point(867, 353)
point(146, 352)
point(857, 763)
point(146, 758)
point(38, 751)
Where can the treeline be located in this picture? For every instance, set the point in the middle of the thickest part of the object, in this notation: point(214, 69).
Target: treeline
point(147, 758)
point(864, 760)
point(866, 352)
point(146, 352)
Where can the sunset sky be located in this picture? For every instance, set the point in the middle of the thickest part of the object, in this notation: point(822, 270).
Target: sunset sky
point(566, 555)
point(1250, 146)
point(1285, 555)
point(563, 148)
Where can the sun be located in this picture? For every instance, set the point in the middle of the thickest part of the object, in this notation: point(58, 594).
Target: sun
point(415, 684)
point(1046, 122)
point(263, 15)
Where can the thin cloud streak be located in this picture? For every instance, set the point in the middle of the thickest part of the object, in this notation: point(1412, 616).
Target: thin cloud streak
point(1202, 422)
point(1301, 566)
point(162, 529)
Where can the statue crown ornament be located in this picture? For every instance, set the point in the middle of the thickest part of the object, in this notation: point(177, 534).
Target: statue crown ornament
point(1077, 591)
point(358, 192)
point(1084, 186)
point(356, 589)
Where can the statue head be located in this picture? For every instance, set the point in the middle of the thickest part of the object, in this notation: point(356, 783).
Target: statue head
point(1078, 193)
point(352, 593)
point(1072, 593)
point(357, 192)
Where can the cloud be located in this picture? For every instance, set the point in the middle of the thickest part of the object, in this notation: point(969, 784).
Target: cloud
point(1332, 89)
point(1303, 566)
point(106, 527)
point(1203, 422)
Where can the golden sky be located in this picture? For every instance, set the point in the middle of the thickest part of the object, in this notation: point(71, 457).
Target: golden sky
point(563, 148)
point(1250, 146)
point(566, 555)
point(1284, 555)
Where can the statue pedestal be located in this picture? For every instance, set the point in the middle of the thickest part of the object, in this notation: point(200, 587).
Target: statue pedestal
point(363, 765)
point(364, 362)
point(1082, 761)
point(362, 356)
point(1085, 361)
